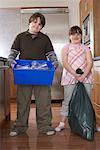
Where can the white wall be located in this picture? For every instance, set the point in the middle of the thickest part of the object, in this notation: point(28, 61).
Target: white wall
point(73, 6)
point(31, 3)
point(9, 28)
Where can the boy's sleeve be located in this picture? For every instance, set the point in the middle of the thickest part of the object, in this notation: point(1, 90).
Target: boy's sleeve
point(50, 54)
point(14, 51)
point(53, 58)
point(12, 56)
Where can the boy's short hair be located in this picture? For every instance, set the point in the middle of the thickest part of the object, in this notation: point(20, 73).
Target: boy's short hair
point(38, 15)
point(75, 29)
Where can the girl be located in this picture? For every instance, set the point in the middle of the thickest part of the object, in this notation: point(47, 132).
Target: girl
point(74, 55)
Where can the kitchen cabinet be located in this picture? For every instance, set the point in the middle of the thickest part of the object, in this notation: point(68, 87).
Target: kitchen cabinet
point(88, 7)
point(96, 87)
point(4, 91)
point(1, 93)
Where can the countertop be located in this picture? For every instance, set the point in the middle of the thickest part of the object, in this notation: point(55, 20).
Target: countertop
point(3, 59)
point(96, 58)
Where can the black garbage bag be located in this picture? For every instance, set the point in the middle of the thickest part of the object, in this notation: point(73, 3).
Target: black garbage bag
point(81, 117)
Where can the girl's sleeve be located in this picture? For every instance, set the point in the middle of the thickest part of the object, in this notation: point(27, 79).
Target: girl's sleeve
point(65, 48)
point(86, 48)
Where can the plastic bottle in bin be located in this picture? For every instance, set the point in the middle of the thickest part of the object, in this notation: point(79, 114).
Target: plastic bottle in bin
point(38, 65)
point(22, 66)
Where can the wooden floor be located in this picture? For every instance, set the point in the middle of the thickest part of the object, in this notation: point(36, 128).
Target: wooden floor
point(64, 140)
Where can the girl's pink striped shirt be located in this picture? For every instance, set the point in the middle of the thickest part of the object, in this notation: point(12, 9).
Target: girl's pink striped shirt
point(76, 59)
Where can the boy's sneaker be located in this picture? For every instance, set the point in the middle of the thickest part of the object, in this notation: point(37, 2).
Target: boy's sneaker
point(50, 132)
point(13, 133)
point(60, 127)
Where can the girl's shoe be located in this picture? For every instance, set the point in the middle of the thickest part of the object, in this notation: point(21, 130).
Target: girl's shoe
point(60, 127)
point(98, 129)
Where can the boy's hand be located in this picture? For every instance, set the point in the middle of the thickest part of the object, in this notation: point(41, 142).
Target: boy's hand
point(55, 64)
point(11, 62)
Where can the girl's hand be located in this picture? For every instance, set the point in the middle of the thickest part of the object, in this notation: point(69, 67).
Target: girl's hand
point(81, 78)
point(77, 76)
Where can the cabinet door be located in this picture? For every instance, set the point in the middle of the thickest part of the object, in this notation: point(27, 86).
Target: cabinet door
point(96, 89)
point(7, 92)
point(2, 110)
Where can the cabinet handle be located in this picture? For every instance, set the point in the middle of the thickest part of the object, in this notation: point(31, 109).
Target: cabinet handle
point(97, 82)
point(4, 67)
point(97, 66)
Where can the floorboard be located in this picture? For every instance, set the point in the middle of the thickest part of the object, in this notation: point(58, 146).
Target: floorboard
point(64, 140)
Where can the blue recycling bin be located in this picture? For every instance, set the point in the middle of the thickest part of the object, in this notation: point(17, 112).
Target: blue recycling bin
point(33, 76)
